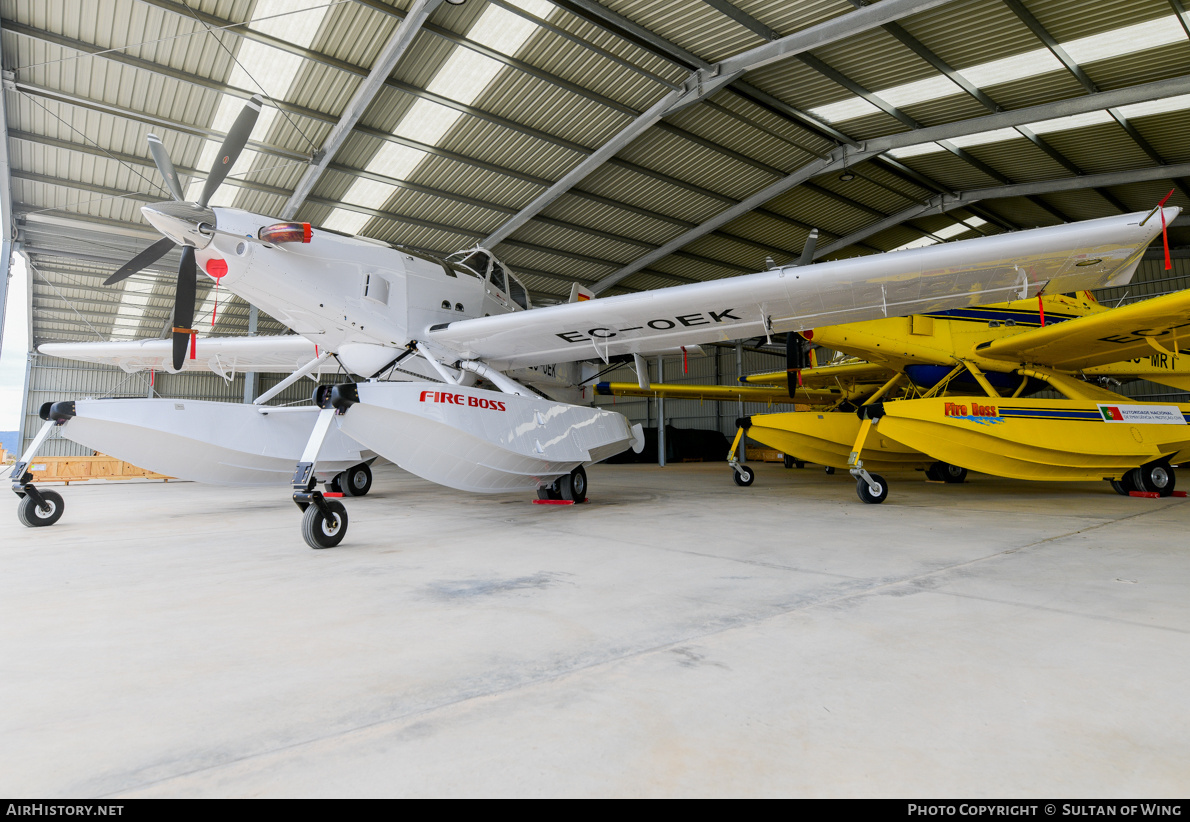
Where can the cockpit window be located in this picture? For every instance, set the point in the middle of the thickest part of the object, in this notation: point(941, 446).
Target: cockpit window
point(498, 276)
point(476, 260)
point(517, 291)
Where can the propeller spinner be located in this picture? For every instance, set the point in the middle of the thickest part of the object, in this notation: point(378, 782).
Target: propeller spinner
point(188, 224)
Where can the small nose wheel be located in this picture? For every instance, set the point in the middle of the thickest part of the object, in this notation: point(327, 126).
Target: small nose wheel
point(743, 476)
point(872, 492)
point(35, 514)
point(324, 530)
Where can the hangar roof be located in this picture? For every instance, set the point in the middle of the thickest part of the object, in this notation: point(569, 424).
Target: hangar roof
point(626, 144)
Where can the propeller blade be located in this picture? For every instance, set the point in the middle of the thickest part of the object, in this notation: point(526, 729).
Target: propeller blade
point(808, 250)
point(797, 357)
point(229, 152)
point(147, 257)
point(166, 167)
point(184, 306)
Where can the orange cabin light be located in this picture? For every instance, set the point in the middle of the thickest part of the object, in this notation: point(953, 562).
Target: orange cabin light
point(286, 233)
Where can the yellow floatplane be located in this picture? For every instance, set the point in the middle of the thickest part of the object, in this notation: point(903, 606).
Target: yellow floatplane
point(957, 396)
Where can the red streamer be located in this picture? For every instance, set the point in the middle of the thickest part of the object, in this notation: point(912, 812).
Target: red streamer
point(685, 367)
point(1041, 309)
point(215, 308)
point(193, 346)
point(1164, 232)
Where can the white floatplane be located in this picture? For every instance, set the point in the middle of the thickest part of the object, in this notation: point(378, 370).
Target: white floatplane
point(458, 381)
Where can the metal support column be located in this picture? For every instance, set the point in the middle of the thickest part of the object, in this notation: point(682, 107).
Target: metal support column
point(718, 381)
point(660, 416)
point(739, 374)
point(24, 404)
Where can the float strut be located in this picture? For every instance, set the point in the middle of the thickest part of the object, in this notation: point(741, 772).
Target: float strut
point(304, 494)
point(22, 479)
point(744, 423)
point(871, 416)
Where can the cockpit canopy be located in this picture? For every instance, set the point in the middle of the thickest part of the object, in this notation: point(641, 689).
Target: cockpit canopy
point(483, 264)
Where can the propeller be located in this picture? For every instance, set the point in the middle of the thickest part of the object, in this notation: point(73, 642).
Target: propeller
point(797, 357)
point(229, 152)
point(147, 257)
point(808, 249)
point(184, 294)
point(166, 167)
point(183, 316)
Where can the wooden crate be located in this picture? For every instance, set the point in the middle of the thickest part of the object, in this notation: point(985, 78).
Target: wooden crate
point(765, 455)
point(77, 469)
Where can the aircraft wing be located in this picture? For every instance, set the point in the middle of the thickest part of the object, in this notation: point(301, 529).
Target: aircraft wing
point(1072, 257)
point(733, 393)
point(1107, 337)
point(222, 355)
point(826, 376)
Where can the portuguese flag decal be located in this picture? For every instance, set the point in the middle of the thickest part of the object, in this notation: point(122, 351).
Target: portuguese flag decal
point(1111, 413)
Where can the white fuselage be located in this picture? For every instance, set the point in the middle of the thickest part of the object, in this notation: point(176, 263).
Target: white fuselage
point(363, 300)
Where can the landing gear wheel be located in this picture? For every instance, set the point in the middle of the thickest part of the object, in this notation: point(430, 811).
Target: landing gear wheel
point(355, 481)
point(830, 469)
point(867, 494)
point(952, 473)
point(573, 487)
point(547, 492)
point(788, 461)
point(1124, 485)
point(33, 515)
point(318, 532)
point(744, 477)
point(1156, 476)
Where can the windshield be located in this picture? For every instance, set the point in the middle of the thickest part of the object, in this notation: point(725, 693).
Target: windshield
point(476, 260)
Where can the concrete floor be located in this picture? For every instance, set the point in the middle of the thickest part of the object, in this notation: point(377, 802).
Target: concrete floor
point(678, 636)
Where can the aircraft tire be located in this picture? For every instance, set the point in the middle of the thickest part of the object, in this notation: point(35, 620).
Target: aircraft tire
point(573, 486)
point(317, 532)
point(1124, 485)
point(31, 515)
point(1157, 476)
point(744, 477)
point(952, 473)
point(830, 469)
point(865, 492)
point(355, 481)
point(788, 461)
point(547, 492)
point(578, 484)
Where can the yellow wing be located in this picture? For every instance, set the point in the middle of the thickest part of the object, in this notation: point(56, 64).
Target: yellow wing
point(1157, 326)
point(743, 393)
point(829, 376)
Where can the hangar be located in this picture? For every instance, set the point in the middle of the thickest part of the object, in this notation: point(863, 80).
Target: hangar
point(678, 636)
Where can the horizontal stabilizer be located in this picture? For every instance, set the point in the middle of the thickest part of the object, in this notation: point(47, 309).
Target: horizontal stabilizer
point(222, 355)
